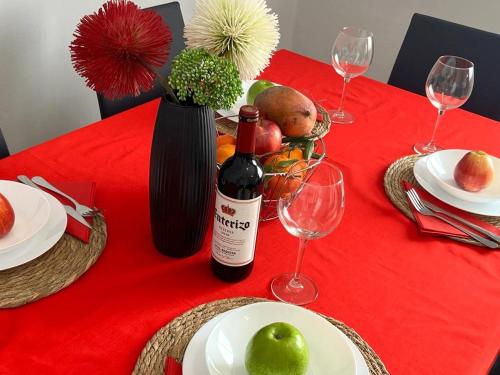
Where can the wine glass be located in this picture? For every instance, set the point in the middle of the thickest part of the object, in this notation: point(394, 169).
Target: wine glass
point(352, 54)
point(312, 211)
point(448, 86)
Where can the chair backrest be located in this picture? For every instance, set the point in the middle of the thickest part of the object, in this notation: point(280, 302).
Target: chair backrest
point(495, 369)
point(4, 151)
point(172, 15)
point(428, 38)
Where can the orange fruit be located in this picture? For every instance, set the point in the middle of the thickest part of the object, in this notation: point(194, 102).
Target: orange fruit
point(277, 186)
point(299, 169)
point(225, 139)
point(224, 152)
point(273, 162)
point(294, 153)
point(280, 163)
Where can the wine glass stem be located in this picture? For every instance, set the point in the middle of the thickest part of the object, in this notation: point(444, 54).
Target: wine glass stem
point(438, 120)
point(341, 106)
point(295, 282)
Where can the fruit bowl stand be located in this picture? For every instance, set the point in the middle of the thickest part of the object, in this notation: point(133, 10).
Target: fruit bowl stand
point(313, 157)
point(228, 125)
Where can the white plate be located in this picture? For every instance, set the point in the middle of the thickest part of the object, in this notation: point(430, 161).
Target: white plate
point(42, 241)
point(429, 183)
point(442, 166)
point(31, 210)
point(242, 100)
point(194, 362)
point(329, 353)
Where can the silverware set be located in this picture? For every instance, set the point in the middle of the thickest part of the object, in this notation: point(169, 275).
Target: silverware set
point(428, 209)
point(78, 212)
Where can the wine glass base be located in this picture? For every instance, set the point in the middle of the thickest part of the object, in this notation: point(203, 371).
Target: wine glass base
point(341, 117)
point(426, 148)
point(299, 293)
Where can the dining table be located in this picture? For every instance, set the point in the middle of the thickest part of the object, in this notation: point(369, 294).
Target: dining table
point(425, 304)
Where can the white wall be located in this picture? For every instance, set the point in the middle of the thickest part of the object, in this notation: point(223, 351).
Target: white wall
point(41, 96)
point(287, 15)
point(318, 22)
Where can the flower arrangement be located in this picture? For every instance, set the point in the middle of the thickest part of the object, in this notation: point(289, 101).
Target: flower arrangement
point(201, 78)
point(244, 31)
point(118, 49)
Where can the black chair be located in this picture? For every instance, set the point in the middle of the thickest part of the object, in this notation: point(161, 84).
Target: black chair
point(495, 370)
point(4, 151)
point(428, 38)
point(172, 15)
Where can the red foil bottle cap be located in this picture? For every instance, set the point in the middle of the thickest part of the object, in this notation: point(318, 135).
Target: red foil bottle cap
point(245, 139)
point(249, 111)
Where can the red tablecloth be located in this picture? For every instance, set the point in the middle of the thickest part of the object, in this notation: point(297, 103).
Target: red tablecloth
point(426, 305)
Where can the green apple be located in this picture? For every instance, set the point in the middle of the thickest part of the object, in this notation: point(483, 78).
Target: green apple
point(277, 349)
point(256, 88)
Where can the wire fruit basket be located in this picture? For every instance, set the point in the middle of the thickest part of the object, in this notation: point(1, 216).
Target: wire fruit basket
point(298, 155)
point(288, 162)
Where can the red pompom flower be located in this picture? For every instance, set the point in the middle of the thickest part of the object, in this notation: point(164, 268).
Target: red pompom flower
point(117, 48)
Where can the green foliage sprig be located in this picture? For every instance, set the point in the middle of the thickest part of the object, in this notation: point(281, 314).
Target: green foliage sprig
point(198, 77)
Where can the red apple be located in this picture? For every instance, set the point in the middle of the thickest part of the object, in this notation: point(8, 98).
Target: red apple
point(7, 216)
point(474, 171)
point(267, 137)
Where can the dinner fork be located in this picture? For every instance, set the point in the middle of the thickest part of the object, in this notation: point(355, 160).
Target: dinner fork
point(477, 228)
point(80, 208)
point(419, 206)
point(69, 210)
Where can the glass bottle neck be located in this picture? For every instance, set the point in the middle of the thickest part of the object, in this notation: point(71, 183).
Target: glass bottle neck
point(245, 140)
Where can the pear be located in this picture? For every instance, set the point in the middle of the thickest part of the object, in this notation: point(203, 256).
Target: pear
point(294, 112)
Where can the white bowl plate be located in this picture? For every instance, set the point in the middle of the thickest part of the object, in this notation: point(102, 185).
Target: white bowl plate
point(429, 183)
point(42, 241)
point(31, 210)
point(442, 165)
point(194, 362)
point(329, 353)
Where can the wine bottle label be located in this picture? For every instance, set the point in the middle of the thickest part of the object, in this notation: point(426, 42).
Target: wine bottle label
point(235, 230)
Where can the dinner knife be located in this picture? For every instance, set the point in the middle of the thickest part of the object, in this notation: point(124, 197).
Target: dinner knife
point(481, 230)
point(69, 210)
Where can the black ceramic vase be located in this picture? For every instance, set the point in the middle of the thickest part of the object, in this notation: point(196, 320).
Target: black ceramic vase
point(181, 177)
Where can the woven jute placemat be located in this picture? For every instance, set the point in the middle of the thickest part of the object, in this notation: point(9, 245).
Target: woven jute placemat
point(59, 267)
point(321, 128)
point(173, 338)
point(402, 169)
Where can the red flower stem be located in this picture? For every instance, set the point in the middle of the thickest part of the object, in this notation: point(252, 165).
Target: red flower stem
point(166, 86)
point(163, 82)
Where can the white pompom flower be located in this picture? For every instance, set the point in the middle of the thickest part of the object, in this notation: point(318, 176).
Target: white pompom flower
point(244, 31)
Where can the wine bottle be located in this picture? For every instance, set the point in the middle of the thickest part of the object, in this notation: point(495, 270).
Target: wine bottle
point(237, 204)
